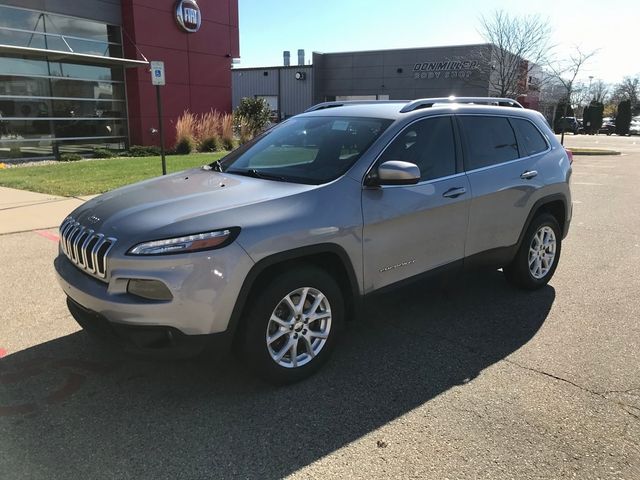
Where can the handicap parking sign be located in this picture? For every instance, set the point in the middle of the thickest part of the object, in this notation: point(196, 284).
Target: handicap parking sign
point(157, 73)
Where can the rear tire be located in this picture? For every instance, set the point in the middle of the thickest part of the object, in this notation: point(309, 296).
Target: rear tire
point(537, 258)
point(293, 324)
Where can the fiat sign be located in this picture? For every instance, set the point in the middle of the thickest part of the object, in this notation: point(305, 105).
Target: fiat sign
point(188, 15)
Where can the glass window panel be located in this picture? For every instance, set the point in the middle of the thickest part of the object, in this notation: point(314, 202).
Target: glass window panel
point(89, 128)
point(44, 108)
point(23, 129)
point(77, 27)
point(17, 18)
point(24, 108)
point(490, 141)
point(60, 87)
point(83, 109)
point(429, 144)
point(531, 139)
point(83, 89)
point(94, 48)
point(92, 72)
point(87, 146)
point(23, 66)
point(37, 128)
point(22, 39)
point(17, 151)
point(24, 86)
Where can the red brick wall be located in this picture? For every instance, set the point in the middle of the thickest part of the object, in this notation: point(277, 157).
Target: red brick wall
point(197, 65)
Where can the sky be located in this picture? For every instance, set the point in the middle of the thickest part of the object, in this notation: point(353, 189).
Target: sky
point(267, 27)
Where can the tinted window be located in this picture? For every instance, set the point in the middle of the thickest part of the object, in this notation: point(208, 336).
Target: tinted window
point(531, 140)
point(429, 144)
point(490, 140)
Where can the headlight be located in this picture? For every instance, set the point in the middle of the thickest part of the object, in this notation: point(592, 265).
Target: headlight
point(189, 243)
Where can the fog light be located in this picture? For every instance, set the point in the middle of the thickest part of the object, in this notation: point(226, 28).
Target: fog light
point(149, 289)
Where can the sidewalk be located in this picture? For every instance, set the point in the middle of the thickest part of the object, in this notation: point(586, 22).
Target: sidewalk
point(21, 210)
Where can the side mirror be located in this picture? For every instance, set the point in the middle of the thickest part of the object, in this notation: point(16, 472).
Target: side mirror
point(395, 172)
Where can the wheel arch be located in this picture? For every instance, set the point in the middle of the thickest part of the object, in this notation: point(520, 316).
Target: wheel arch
point(328, 256)
point(555, 205)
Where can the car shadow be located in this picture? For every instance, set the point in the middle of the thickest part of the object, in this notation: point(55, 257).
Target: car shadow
point(75, 408)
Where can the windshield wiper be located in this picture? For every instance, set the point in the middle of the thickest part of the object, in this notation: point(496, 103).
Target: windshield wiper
point(216, 166)
point(252, 172)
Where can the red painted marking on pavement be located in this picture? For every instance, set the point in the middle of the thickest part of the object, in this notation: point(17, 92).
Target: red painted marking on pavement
point(17, 409)
point(3, 352)
point(48, 235)
point(71, 386)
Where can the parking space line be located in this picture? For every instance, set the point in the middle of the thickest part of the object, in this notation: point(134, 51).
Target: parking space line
point(48, 235)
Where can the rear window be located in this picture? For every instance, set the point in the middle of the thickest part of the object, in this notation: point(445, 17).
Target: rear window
point(489, 141)
point(531, 140)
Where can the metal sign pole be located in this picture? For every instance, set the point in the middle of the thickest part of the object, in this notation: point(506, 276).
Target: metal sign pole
point(161, 128)
point(158, 79)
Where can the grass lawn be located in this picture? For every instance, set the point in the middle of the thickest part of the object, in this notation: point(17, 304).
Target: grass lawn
point(87, 177)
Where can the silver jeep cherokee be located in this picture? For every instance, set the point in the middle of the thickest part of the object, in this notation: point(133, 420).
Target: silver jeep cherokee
point(273, 247)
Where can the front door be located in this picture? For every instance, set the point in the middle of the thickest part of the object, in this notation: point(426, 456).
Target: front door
point(412, 229)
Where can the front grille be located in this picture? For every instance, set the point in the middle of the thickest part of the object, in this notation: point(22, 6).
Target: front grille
point(86, 248)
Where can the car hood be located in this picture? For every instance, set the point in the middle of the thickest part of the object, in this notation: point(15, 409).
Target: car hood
point(192, 201)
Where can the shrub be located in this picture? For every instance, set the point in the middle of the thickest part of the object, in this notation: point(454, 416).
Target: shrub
point(623, 119)
point(255, 112)
point(185, 146)
point(102, 153)
point(69, 157)
point(186, 132)
point(143, 151)
point(211, 144)
point(226, 132)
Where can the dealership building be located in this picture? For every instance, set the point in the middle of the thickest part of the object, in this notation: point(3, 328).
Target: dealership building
point(74, 75)
point(402, 74)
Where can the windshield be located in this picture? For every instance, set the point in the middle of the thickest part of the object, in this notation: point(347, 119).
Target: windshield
point(310, 150)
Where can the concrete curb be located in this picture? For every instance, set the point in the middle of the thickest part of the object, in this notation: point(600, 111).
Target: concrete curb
point(593, 153)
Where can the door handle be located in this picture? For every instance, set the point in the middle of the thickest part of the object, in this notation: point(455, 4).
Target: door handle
point(529, 174)
point(454, 192)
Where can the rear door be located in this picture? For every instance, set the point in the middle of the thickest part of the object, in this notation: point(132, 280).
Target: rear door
point(503, 177)
point(410, 229)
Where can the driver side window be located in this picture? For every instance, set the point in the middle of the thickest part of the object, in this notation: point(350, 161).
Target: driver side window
point(429, 144)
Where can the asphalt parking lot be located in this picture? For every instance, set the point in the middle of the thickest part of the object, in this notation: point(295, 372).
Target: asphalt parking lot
point(476, 381)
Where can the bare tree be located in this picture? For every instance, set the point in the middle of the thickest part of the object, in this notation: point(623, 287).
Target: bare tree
point(520, 44)
point(599, 91)
point(629, 89)
point(566, 73)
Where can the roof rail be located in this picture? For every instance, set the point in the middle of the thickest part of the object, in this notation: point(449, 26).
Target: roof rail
point(338, 103)
point(430, 102)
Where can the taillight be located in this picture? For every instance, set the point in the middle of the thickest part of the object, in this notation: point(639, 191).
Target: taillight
point(570, 155)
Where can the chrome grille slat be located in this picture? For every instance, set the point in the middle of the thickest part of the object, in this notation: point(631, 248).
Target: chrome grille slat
point(86, 248)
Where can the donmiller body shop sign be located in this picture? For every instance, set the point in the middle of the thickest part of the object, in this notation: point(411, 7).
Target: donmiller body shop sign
point(188, 15)
point(445, 69)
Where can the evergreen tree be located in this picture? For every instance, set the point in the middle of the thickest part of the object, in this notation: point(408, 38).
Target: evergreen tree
point(623, 119)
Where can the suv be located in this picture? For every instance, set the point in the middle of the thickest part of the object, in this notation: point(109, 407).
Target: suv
point(568, 124)
point(274, 247)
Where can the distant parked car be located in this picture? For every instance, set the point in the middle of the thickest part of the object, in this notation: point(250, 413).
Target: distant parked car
point(568, 124)
point(581, 129)
point(634, 128)
point(608, 126)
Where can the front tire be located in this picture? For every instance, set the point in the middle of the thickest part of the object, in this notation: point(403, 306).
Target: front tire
point(292, 325)
point(538, 255)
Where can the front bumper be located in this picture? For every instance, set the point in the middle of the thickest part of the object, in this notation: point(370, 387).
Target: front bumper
point(204, 286)
point(148, 341)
